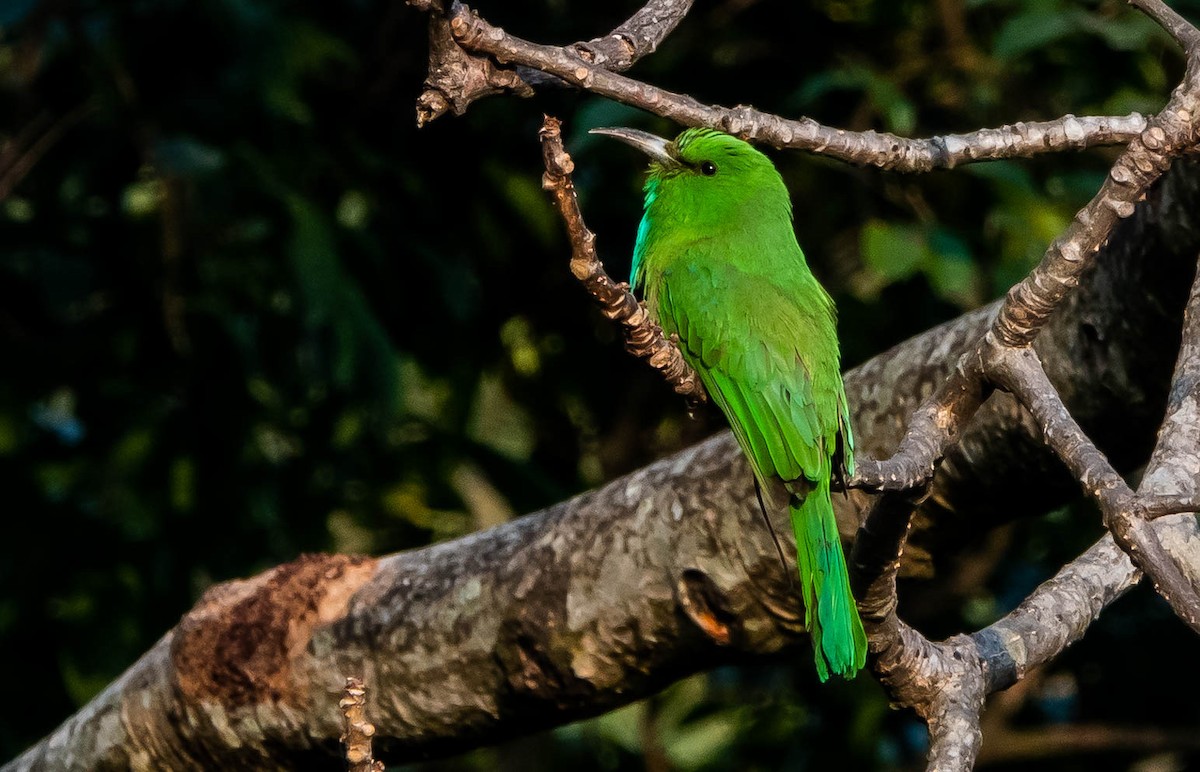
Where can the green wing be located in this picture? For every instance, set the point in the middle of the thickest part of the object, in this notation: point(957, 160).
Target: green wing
point(766, 349)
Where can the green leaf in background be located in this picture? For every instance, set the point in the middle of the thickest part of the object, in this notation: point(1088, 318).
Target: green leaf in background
point(894, 251)
point(1033, 30)
point(897, 111)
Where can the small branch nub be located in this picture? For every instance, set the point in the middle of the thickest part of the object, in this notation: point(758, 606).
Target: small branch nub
point(358, 731)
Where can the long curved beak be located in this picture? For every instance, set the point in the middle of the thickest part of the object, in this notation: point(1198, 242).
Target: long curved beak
point(654, 146)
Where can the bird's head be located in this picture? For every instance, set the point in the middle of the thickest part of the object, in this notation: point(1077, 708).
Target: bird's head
point(707, 174)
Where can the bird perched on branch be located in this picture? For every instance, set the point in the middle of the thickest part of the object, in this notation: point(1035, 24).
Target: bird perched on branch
point(719, 266)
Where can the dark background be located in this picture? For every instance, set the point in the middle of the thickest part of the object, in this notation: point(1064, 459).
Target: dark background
point(248, 310)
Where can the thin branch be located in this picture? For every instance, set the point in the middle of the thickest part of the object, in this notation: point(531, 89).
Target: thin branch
point(946, 682)
point(1158, 505)
point(954, 731)
point(1171, 476)
point(637, 36)
point(1165, 572)
point(942, 682)
point(1020, 372)
point(358, 732)
point(886, 151)
point(457, 78)
point(875, 557)
point(1171, 472)
point(1023, 639)
point(1176, 26)
point(1002, 356)
point(1029, 304)
point(643, 337)
point(932, 428)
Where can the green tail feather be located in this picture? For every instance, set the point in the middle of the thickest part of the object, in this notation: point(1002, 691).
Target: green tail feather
point(839, 642)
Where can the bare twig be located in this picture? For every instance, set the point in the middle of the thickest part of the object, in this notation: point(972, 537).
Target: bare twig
point(886, 151)
point(1003, 357)
point(1030, 303)
point(457, 78)
point(637, 36)
point(933, 428)
point(1019, 371)
point(1170, 484)
point(1175, 25)
point(358, 731)
point(1161, 504)
point(643, 337)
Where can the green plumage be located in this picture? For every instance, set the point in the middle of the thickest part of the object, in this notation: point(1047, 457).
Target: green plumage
point(719, 266)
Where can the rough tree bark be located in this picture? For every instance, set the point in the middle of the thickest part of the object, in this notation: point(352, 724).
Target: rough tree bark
point(607, 597)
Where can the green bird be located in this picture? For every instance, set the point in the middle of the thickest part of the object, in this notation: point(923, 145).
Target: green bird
point(719, 266)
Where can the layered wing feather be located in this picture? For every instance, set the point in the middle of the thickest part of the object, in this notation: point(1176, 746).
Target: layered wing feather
point(765, 347)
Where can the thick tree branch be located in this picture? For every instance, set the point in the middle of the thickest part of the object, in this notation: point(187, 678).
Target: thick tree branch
point(605, 598)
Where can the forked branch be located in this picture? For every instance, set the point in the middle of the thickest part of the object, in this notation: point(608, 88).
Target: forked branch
point(946, 682)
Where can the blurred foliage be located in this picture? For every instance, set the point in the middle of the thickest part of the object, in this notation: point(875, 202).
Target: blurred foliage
point(247, 310)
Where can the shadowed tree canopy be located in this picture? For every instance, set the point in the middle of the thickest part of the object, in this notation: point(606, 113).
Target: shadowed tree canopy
point(249, 311)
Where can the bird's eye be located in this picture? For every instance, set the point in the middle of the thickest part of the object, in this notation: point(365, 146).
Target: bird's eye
point(708, 168)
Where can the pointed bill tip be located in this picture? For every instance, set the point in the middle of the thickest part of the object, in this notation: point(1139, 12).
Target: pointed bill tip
point(654, 146)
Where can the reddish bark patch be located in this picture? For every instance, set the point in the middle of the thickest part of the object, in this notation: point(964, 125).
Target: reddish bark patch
point(238, 644)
